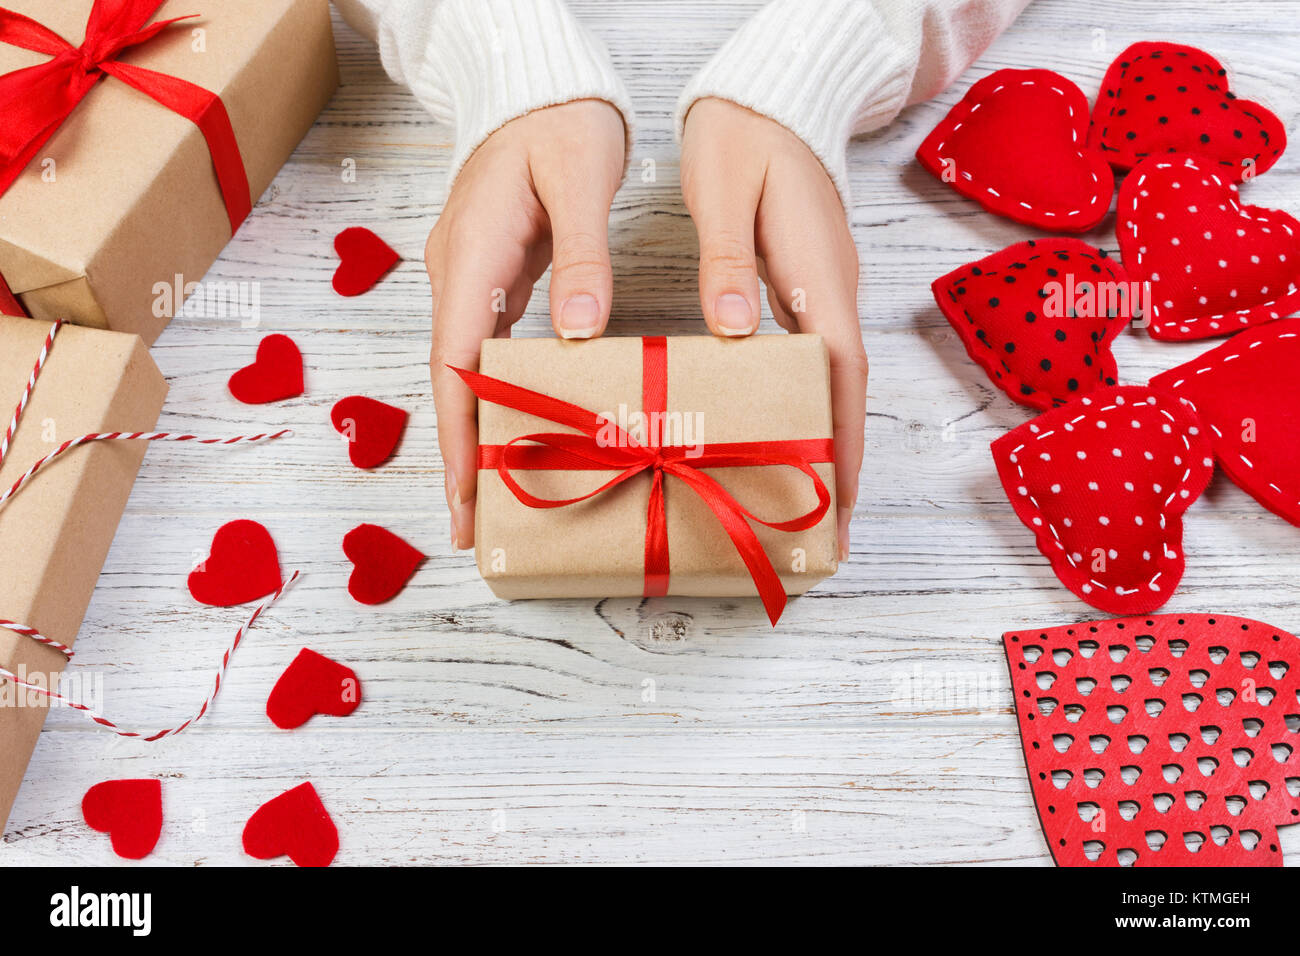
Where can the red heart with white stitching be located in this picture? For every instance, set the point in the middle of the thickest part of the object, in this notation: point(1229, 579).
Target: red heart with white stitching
point(1103, 483)
point(1215, 266)
point(1039, 317)
point(1016, 143)
point(1247, 393)
point(1165, 98)
point(1164, 741)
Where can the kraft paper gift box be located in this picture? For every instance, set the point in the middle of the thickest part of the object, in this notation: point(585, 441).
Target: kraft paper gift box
point(764, 389)
point(121, 206)
point(56, 531)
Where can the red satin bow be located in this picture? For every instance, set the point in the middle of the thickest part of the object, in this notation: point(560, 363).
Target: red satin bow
point(629, 457)
point(36, 100)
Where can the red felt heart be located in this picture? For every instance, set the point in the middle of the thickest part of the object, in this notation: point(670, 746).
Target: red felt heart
point(1167, 98)
point(129, 811)
point(1160, 741)
point(1039, 317)
point(1103, 483)
point(371, 428)
point(383, 563)
point(242, 565)
point(1248, 394)
point(275, 374)
point(364, 259)
point(294, 824)
point(1215, 266)
point(1016, 144)
point(312, 684)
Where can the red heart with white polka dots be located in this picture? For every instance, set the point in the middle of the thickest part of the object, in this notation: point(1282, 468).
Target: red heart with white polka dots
point(1103, 483)
point(1215, 266)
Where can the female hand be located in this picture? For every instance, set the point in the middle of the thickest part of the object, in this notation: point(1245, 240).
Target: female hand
point(537, 190)
point(764, 206)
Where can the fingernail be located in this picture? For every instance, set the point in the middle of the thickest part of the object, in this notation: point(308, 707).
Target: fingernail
point(579, 317)
point(733, 314)
point(844, 515)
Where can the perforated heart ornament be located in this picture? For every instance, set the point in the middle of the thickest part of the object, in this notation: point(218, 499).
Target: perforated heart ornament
point(1160, 741)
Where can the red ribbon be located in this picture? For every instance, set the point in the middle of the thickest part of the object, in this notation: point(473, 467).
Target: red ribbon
point(36, 100)
point(587, 452)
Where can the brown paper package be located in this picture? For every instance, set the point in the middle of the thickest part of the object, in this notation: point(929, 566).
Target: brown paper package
point(130, 201)
point(55, 533)
point(764, 387)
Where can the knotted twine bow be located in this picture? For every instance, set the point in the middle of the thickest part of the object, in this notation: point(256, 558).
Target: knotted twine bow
point(630, 457)
point(67, 652)
point(36, 100)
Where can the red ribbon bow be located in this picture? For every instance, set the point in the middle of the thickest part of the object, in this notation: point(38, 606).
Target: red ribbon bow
point(36, 100)
point(629, 457)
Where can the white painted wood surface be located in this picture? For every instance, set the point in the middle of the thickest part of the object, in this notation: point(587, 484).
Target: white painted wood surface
point(667, 731)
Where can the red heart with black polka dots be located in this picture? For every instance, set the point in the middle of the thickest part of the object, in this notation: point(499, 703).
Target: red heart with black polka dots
point(1160, 98)
point(1039, 317)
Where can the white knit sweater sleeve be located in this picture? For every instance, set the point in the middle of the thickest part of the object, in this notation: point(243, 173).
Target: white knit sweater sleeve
point(829, 69)
point(477, 64)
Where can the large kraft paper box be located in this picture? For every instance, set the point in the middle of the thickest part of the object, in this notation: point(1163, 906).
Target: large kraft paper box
point(760, 388)
point(55, 533)
point(131, 201)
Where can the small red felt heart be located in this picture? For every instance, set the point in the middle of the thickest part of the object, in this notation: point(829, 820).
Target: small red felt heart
point(364, 259)
point(1160, 741)
point(1215, 266)
point(129, 811)
point(371, 428)
point(1248, 394)
point(1039, 317)
point(242, 565)
point(294, 824)
point(1016, 144)
point(1103, 483)
point(275, 374)
point(1166, 98)
point(312, 684)
point(383, 563)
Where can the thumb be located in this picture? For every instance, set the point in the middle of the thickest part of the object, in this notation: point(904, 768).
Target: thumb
point(582, 282)
point(724, 212)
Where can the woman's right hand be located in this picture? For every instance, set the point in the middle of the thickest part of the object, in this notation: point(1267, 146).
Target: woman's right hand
point(536, 192)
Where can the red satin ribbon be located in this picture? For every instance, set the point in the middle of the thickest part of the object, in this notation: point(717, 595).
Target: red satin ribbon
point(586, 452)
point(36, 100)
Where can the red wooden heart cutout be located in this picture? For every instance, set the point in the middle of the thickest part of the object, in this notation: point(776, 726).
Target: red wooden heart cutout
point(129, 811)
point(364, 259)
point(1166, 98)
point(294, 824)
point(1016, 143)
point(242, 565)
point(1160, 741)
point(312, 684)
point(1215, 266)
point(371, 427)
point(1248, 394)
point(1039, 317)
point(383, 563)
point(1103, 483)
point(275, 374)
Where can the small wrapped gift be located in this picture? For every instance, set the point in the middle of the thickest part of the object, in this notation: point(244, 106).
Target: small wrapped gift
point(686, 465)
point(55, 535)
point(131, 148)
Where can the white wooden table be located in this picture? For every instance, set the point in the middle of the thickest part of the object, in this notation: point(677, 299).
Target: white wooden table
point(667, 730)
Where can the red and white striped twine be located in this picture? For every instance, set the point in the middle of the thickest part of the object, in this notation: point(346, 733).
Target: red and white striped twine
point(63, 649)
